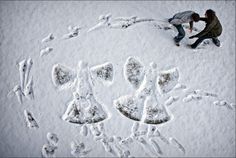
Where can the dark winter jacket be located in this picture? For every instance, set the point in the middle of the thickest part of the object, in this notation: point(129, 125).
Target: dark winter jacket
point(212, 29)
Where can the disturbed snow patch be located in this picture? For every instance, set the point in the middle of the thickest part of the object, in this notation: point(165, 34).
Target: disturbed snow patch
point(31, 122)
point(48, 149)
point(103, 72)
point(134, 71)
point(63, 77)
point(143, 105)
point(84, 108)
point(25, 88)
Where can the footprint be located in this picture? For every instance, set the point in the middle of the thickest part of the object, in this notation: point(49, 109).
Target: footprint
point(135, 127)
point(224, 103)
point(48, 150)
point(126, 153)
point(101, 127)
point(28, 91)
point(180, 86)
point(103, 22)
point(29, 65)
point(171, 100)
point(84, 130)
point(106, 146)
point(204, 93)
point(198, 95)
point(233, 105)
point(132, 18)
point(177, 144)
point(52, 139)
point(155, 146)
point(134, 71)
point(207, 94)
point(162, 138)
point(144, 20)
point(126, 141)
point(146, 147)
point(48, 38)
point(192, 96)
point(18, 92)
point(165, 26)
point(138, 134)
point(103, 72)
point(125, 22)
point(73, 32)
point(94, 130)
point(104, 137)
point(78, 149)
point(151, 130)
point(22, 66)
point(118, 151)
point(46, 51)
point(31, 122)
point(188, 98)
point(205, 42)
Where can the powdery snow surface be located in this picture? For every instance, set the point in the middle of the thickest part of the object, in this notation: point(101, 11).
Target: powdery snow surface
point(88, 79)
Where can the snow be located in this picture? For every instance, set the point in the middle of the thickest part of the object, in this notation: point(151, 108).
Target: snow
point(38, 37)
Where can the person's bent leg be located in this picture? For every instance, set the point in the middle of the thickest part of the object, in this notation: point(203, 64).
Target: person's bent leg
point(198, 41)
point(181, 33)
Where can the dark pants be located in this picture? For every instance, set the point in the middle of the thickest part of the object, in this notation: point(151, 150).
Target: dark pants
point(181, 33)
point(199, 40)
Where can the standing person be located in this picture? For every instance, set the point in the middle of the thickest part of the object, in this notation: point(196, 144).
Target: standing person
point(183, 17)
point(213, 29)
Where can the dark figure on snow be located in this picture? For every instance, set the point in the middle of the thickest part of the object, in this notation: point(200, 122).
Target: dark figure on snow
point(213, 29)
point(183, 17)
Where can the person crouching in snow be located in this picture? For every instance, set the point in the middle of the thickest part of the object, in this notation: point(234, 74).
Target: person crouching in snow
point(183, 17)
point(213, 29)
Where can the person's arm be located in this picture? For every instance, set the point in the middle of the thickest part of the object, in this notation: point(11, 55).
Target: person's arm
point(191, 26)
point(203, 19)
point(207, 29)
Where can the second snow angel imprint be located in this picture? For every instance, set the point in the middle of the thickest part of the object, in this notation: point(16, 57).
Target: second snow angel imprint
point(144, 105)
point(84, 107)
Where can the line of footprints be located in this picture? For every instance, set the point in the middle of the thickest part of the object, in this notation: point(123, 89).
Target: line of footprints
point(145, 106)
point(104, 21)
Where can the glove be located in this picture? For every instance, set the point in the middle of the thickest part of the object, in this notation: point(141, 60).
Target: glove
point(191, 37)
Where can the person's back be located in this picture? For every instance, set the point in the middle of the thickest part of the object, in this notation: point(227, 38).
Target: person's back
point(182, 17)
point(217, 28)
point(214, 25)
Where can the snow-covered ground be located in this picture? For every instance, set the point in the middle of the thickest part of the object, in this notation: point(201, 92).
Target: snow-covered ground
point(86, 78)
